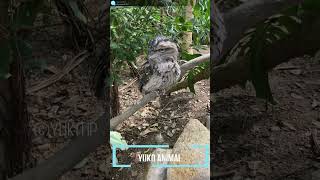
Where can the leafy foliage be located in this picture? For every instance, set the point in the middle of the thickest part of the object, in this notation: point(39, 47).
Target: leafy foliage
point(265, 34)
point(133, 27)
point(201, 22)
point(195, 72)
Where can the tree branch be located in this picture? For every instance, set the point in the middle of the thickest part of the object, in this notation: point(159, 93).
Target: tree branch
point(70, 155)
point(205, 74)
point(193, 63)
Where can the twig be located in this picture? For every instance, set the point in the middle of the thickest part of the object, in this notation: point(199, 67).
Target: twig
point(287, 68)
point(70, 155)
point(56, 77)
point(130, 84)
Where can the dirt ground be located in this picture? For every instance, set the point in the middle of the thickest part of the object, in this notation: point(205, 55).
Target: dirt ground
point(165, 117)
point(256, 142)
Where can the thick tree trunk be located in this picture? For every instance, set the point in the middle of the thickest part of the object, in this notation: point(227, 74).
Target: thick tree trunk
point(19, 142)
point(15, 136)
point(187, 36)
point(4, 96)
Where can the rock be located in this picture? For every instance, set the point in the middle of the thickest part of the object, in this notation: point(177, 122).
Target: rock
point(194, 133)
point(154, 173)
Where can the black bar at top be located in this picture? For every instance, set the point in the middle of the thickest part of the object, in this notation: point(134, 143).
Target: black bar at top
point(142, 2)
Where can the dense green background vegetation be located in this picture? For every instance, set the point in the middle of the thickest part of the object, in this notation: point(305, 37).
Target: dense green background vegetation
point(133, 27)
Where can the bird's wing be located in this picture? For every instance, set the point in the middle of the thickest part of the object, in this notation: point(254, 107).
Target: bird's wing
point(155, 82)
point(145, 73)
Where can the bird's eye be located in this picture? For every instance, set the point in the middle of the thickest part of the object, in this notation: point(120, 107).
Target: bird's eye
point(161, 50)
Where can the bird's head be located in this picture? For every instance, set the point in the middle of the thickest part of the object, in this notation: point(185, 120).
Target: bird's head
point(162, 47)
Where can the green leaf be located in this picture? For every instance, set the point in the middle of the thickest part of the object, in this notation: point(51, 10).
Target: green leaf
point(186, 56)
point(191, 83)
point(180, 19)
point(259, 74)
point(117, 139)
